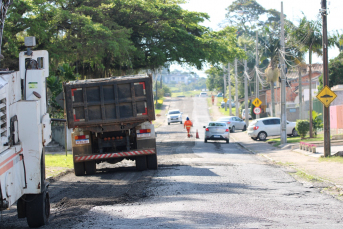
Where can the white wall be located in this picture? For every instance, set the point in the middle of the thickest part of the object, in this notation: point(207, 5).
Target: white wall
point(306, 94)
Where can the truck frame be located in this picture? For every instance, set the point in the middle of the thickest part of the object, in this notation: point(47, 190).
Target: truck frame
point(111, 120)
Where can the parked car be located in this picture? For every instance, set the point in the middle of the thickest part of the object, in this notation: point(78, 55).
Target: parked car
point(203, 94)
point(243, 113)
point(217, 131)
point(220, 94)
point(222, 104)
point(174, 116)
point(271, 126)
point(234, 123)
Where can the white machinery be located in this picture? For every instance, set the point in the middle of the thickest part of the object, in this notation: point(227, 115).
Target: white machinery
point(25, 130)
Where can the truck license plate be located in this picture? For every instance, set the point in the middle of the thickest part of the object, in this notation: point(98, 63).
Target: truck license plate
point(216, 136)
point(143, 135)
point(81, 141)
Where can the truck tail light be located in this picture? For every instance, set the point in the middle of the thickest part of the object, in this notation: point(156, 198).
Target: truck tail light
point(80, 137)
point(207, 129)
point(228, 122)
point(255, 127)
point(227, 130)
point(144, 131)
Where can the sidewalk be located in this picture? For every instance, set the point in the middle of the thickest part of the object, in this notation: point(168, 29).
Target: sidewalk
point(160, 118)
point(300, 160)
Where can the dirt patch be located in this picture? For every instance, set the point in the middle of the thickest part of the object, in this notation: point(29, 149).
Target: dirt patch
point(56, 171)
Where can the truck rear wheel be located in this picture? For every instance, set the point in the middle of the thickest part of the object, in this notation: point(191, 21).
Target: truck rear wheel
point(141, 163)
point(152, 161)
point(37, 209)
point(90, 167)
point(79, 169)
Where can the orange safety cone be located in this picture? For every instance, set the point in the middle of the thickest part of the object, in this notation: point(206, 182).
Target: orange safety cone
point(197, 134)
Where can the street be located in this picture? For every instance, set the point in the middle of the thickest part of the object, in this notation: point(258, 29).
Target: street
point(197, 185)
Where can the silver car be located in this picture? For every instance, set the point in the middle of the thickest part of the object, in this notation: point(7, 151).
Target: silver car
point(271, 126)
point(234, 123)
point(217, 131)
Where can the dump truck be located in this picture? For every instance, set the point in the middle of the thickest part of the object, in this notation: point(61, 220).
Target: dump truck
point(111, 119)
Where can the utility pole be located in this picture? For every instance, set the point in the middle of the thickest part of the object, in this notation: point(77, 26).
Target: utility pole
point(246, 91)
point(224, 95)
point(327, 146)
point(257, 81)
point(300, 94)
point(283, 83)
point(310, 89)
point(236, 89)
point(229, 82)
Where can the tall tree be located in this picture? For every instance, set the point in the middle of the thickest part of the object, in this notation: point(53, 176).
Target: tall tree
point(114, 37)
point(335, 72)
point(338, 40)
point(309, 33)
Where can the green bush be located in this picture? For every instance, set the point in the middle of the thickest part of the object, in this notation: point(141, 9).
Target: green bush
point(317, 123)
point(302, 127)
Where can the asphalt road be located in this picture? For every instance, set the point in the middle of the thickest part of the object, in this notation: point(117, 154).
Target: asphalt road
point(197, 185)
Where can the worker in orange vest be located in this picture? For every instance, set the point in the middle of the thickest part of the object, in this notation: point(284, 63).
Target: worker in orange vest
point(188, 124)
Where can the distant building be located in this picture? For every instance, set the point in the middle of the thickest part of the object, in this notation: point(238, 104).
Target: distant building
point(176, 77)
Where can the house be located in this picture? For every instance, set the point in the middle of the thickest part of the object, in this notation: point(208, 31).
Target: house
point(292, 89)
point(293, 78)
point(338, 90)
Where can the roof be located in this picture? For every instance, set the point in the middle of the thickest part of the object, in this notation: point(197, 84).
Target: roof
point(294, 72)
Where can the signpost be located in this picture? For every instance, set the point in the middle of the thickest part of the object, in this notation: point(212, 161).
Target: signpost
point(225, 100)
point(257, 102)
point(326, 96)
point(257, 110)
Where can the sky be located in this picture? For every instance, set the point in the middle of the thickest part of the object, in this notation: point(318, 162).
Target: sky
point(292, 9)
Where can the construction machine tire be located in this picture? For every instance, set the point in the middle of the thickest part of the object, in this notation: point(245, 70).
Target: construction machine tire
point(37, 209)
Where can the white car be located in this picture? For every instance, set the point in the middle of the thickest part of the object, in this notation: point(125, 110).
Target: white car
point(203, 94)
point(174, 116)
point(271, 126)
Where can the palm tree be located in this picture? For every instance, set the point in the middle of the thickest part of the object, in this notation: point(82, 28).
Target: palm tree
point(338, 41)
point(310, 37)
point(271, 42)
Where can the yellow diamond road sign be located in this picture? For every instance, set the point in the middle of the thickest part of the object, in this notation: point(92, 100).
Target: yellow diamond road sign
point(257, 102)
point(225, 99)
point(326, 96)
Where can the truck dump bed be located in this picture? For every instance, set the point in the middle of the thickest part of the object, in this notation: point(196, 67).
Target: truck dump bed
point(101, 103)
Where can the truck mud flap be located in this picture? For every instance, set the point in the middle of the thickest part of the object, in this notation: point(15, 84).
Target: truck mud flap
point(105, 156)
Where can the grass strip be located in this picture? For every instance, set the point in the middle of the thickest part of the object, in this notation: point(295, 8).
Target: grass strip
point(57, 163)
point(331, 159)
point(291, 139)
